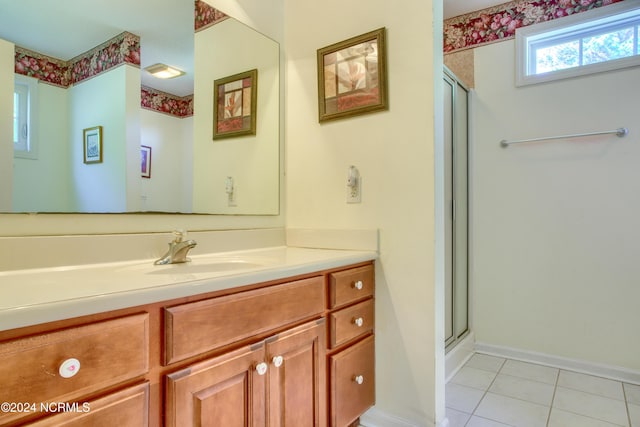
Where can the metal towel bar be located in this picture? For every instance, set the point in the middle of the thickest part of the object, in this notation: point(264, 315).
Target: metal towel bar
point(620, 132)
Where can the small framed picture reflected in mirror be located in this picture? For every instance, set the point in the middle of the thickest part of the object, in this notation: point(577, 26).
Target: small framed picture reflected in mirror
point(145, 161)
point(92, 144)
point(234, 105)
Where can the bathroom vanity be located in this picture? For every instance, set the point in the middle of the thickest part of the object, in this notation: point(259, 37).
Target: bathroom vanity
point(255, 344)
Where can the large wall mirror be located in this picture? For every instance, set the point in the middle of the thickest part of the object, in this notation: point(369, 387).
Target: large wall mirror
point(155, 151)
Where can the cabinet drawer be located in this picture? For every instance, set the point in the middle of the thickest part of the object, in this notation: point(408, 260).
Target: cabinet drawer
point(126, 408)
point(350, 285)
point(351, 322)
point(195, 328)
point(106, 353)
point(352, 382)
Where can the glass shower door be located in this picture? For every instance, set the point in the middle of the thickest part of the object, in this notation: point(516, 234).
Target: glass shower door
point(456, 106)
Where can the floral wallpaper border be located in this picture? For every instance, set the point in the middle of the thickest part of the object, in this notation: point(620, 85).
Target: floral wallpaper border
point(50, 70)
point(166, 103)
point(500, 22)
point(122, 49)
point(206, 16)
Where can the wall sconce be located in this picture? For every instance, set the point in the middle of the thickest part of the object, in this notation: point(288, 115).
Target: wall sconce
point(163, 71)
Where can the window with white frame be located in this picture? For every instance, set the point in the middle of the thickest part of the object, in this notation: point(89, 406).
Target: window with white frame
point(25, 143)
point(602, 39)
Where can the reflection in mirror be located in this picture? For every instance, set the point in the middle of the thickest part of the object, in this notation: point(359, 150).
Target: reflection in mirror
point(98, 79)
point(251, 161)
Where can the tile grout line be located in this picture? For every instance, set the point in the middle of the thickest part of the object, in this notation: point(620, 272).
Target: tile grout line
point(626, 404)
point(553, 398)
point(473, 413)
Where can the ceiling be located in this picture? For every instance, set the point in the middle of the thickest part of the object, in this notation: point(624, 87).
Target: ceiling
point(64, 29)
point(460, 7)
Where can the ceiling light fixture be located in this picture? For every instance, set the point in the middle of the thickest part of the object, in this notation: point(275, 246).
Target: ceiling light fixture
point(163, 71)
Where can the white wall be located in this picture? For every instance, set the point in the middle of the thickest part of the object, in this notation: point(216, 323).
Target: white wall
point(7, 62)
point(395, 153)
point(171, 141)
point(43, 184)
point(263, 15)
point(556, 225)
point(48, 183)
point(103, 101)
point(132, 99)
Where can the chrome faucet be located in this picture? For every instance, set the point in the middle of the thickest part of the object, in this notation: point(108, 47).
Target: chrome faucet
point(178, 250)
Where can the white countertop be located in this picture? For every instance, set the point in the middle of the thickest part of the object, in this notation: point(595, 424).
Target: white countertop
point(29, 297)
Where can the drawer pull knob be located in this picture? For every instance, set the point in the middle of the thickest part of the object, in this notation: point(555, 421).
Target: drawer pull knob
point(69, 368)
point(358, 285)
point(261, 368)
point(277, 361)
point(358, 322)
point(359, 379)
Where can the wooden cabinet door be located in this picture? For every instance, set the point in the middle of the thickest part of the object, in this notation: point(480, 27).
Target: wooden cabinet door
point(297, 377)
point(224, 391)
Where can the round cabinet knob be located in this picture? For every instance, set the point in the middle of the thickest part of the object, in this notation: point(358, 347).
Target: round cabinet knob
point(69, 368)
point(358, 321)
point(358, 285)
point(359, 379)
point(261, 368)
point(277, 361)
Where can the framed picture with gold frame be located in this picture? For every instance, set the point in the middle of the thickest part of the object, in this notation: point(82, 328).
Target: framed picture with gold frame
point(92, 144)
point(352, 76)
point(234, 105)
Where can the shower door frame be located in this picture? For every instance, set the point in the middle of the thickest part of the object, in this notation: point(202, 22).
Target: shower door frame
point(455, 174)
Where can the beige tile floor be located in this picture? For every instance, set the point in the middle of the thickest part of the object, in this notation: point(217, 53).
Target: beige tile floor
point(494, 392)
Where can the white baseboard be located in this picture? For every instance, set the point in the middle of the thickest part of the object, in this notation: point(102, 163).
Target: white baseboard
point(601, 370)
point(377, 418)
point(458, 356)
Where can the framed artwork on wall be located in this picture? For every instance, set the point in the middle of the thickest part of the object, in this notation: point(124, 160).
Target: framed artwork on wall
point(92, 144)
point(352, 76)
point(234, 105)
point(145, 159)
